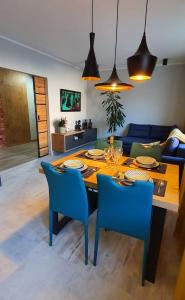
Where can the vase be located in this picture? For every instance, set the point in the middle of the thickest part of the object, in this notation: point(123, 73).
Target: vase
point(62, 130)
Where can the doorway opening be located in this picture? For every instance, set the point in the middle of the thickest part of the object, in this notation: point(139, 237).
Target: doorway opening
point(21, 126)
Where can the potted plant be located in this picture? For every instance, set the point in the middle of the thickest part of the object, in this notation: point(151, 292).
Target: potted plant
point(114, 110)
point(62, 125)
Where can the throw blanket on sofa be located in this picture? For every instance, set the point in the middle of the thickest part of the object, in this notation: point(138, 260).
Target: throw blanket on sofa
point(176, 133)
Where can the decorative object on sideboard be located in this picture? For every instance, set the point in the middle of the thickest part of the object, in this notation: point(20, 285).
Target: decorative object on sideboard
point(114, 84)
point(62, 125)
point(84, 124)
point(70, 100)
point(91, 68)
point(89, 125)
point(142, 63)
point(114, 110)
point(78, 125)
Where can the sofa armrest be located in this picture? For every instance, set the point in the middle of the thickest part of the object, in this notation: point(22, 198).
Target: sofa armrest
point(181, 151)
point(175, 161)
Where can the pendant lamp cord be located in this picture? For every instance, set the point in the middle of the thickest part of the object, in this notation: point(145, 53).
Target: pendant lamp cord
point(92, 15)
point(146, 14)
point(115, 51)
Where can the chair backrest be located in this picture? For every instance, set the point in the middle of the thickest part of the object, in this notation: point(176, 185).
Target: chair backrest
point(102, 144)
point(67, 193)
point(154, 151)
point(125, 209)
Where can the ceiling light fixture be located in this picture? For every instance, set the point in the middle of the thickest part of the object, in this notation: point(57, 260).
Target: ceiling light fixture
point(114, 84)
point(142, 63)
point(91, 68)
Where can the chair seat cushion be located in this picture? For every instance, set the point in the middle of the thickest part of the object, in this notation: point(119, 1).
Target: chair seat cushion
point(171, 146)
point(128, 140)
point(138, 130)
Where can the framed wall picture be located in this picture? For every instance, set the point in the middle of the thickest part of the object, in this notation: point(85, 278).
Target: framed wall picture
point(70, 100)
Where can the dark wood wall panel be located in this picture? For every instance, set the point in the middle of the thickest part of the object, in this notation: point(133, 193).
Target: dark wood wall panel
point(41, 112)
point(14, 106)
point(40, 85)
point(40, 99)
point(40, 88)
point(43, 139)
point(42, 126)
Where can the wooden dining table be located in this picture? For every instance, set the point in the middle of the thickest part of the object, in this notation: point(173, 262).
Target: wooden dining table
point(161, 203)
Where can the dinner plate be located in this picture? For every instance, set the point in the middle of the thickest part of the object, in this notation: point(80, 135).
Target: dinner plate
point(145, 160)
point(93, 156)
point(82, 169)
point(137, 175)
point(73, 164)
point(155, 165)
point(95, 152)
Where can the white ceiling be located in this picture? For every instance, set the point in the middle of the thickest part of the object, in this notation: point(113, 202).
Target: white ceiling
point(61, 28)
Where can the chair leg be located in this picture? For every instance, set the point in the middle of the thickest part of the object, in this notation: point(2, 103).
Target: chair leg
point(86, 243)
point(146, 244)
point(96, 244)
point(50, 226)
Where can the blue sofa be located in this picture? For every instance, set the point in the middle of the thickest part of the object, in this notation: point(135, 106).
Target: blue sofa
point(140, 133)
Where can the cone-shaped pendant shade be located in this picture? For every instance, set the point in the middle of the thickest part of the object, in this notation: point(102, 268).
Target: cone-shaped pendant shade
point(113, 84)
point(91, 68)
point(142, 63)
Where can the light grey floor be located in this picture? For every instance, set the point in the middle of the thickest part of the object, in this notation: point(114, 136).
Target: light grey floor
point(16, 155)
point(30, 269)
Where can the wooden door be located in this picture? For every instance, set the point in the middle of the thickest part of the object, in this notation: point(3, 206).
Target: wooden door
point(13, 94)
point(40, 88)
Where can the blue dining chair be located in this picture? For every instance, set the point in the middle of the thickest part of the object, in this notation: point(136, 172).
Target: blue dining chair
point(124, 209)
point(68, 196)
point(140, 149)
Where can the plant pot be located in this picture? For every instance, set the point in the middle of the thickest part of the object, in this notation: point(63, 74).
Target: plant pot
point(62, 129)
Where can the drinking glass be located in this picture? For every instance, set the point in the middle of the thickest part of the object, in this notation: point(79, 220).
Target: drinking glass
point(107, 155)
point(117, 154)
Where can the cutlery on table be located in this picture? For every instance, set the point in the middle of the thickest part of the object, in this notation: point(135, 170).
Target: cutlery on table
point(160, 186)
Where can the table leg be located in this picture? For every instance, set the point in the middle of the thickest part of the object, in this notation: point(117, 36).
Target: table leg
point(59, 224)
point(157, 226)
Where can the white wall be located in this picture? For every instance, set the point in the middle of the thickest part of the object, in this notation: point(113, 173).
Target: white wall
point(31, 106)
point(59, 76)
point(160, 100)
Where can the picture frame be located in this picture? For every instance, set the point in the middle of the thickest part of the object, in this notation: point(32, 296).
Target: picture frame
point(70, 101)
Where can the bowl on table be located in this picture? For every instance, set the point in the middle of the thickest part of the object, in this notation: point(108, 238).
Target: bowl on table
point(95, 154)
point(74, 164)
point(146, 162)
point(136, 175)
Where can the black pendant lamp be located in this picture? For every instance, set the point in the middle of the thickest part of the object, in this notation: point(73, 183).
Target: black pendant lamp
point(142, 63)
point(114, 84)
point(91, 68)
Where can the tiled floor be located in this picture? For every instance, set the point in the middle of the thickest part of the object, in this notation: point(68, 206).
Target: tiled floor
point(30, 269)
point(16, 155)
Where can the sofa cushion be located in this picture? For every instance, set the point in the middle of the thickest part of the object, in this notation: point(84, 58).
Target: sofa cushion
point(171, 146)
point(160, 132)
point(137, 130)
point(181, 151)
point(128, 140)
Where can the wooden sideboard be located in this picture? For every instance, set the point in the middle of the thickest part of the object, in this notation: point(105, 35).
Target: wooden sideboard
point(72, 139)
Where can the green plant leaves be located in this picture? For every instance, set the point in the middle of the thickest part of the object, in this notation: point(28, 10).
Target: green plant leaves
point(114, 110)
